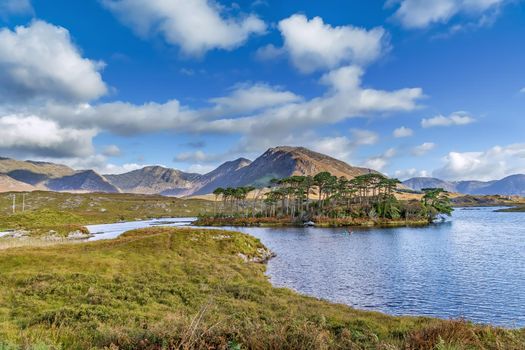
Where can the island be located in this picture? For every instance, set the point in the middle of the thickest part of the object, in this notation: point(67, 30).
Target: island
point(325, 200)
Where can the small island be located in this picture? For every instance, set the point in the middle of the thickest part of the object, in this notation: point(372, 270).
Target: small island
point(325, 200)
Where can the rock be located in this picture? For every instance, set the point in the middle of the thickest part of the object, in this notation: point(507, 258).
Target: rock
point(263, 257)
point(78, 235)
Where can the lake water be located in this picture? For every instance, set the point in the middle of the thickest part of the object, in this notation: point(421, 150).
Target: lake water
point(471, 267)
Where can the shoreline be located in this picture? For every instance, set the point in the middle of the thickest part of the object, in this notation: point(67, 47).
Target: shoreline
point(318, 222)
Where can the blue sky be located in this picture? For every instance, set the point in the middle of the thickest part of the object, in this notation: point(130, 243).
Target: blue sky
point(408, 87)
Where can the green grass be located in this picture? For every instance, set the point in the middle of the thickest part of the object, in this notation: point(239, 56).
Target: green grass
point(166, 288)
point(65, 212)
point(519, 209)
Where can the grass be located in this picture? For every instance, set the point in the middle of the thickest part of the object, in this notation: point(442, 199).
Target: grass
point(282, 221)
point(167, 288)
point(62, 213)
point(518, 209)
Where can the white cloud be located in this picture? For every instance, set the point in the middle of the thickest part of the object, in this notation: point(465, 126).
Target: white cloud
point(423, 149)
point(15, 7)
point(200, 168)
point(422, 13)
point(380, 162)
point(314, 45)
point(197, 26)
point(40, 61)
point(409, 173)
point(248, 98)
point(339, 147)
point(197, 156)
point(345, 98)
point(364, 137)
point(522, 90)
point(112, 151)
point(403, 132)
point(35, 136)
point(494, 163)
point(269, 52)
point(456, 118)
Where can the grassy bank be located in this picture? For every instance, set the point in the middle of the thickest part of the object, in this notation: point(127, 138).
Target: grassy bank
point(519, 209)
point(190, 289)
point(319, 222)
point(62, 213)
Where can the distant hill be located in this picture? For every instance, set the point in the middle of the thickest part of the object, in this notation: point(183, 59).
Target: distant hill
point(32, 172)
point(419, 183)
point(285, 161)
point(276, 162)
point(513, 185)
point(82, 181)
point(154, 180)
point(8, 184)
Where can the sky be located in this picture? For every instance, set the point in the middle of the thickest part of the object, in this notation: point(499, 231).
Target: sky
point(407, 87)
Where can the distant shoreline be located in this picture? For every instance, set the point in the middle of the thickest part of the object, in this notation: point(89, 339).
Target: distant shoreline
point(318, 222)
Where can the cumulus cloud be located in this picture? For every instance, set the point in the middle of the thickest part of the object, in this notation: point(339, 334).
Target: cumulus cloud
point(15, 7)
point(403, 132)
point(112, 151)
point(423, 13)
point(278, 113)
point(314, 45)
point(248, 98)
point(494, 163)
point(198, 156)
point(409, 173)
point(269, 52)
point(32, 135)
point(197, 26)
point(456, 118)
point(40, 61)
point(380, 162)
point(423, 149)
point(364, 137)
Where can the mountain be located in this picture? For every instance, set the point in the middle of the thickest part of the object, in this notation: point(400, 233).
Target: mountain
point(513, 185)
point(155, 179)
point(221, 177)
point(419, 183)
point(510, 185)
point(82, 181)
point(8, 184)
point(286, 161)
point(32, 172)
point(276, 162)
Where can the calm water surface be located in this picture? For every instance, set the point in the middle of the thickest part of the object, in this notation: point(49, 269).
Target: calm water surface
point(472, 267)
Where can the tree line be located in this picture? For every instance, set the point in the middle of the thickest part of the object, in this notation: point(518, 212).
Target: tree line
point(325, 195)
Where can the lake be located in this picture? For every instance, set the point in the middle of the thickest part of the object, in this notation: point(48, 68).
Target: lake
point(471, 267)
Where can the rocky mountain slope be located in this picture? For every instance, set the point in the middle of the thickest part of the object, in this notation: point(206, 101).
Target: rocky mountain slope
point(8, 184)
point(82, 181)
point(276, 162)
point(154, 180)
point(509, 186)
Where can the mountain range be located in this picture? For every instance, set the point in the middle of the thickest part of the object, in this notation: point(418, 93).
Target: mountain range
point(276, 162)
point(508, 186)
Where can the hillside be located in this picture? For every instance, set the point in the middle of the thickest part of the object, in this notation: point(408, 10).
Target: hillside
point(31, 172)
point(8, 184)
point(276, 162)
point(82, 181)
point(154, 180)
point(419, 183)
point(513, 185)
